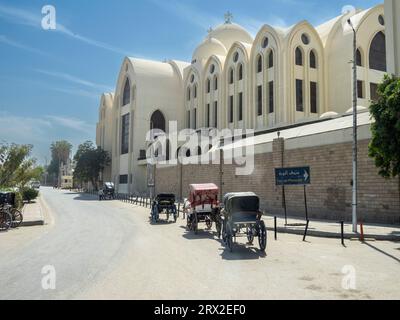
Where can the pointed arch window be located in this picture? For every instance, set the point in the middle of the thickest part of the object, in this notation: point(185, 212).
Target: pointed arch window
point(215, 83)
point(208, 85)
point(313, 60)
point(259, 63)
point(230, 76)
point(271, 59)
point(240, 72)
point(299, 57)
point(188, 94)
point(377, 53)
point(126, 96)
point(195, 91)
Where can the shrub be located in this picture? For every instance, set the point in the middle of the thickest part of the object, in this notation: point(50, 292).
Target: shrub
point(29, 194)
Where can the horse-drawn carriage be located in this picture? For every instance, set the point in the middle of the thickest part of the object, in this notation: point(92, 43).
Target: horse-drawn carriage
point(164, 204)
point(204, 207)
point(241, 216)
point(107, 192)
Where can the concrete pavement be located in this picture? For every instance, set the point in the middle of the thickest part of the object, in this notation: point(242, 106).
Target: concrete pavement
point(109, 250)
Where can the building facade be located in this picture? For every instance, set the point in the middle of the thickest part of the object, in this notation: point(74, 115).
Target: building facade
point(279, 78)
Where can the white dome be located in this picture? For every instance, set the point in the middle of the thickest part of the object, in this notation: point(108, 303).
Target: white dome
point(229, 33)
point(328, 115)
point(359, 109)
point(207, 48)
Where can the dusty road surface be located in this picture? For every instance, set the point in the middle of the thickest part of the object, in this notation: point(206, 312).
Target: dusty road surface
point(109, 250)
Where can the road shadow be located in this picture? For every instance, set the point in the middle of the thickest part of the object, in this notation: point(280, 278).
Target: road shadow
point(161, 222)
point(86, 197)
point(241, 251)
point(201, 235)
point(383, 252)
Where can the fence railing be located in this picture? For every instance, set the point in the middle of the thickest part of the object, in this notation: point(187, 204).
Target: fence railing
point(134, 199)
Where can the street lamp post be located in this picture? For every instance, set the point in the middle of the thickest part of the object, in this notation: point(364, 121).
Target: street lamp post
point(355, 147)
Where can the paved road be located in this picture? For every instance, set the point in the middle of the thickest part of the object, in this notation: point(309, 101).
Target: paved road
point(109, 250)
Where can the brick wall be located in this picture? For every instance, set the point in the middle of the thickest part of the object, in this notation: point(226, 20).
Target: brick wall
point(329, 195)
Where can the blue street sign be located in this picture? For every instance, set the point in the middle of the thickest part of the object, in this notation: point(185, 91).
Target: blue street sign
point(292, 176)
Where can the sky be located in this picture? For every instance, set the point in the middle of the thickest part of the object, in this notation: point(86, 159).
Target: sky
point(51, 80)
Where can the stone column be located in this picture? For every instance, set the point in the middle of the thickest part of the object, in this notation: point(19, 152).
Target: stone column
point(392, 16)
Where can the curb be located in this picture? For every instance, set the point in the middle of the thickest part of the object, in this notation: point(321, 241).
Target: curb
point(333, 235)
point(32, 223)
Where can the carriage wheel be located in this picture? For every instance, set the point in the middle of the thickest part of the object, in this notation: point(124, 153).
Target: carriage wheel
point(17, 218)
point(250, 235)
point(209, 224)
point(195, 224)
point(5, 221)
point(154, 214)
point(229, 238)
point(262, 236)
point(188, 223)
point(219, 227)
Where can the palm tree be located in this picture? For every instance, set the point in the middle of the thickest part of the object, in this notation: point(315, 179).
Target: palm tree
point(60, 151)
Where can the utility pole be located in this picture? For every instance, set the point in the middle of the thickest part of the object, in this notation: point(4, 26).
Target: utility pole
point(355, 146)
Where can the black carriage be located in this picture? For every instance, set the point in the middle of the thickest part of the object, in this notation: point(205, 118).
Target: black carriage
point(242, 216)
point(204, 207)
point(164, 204)
point(107, 192)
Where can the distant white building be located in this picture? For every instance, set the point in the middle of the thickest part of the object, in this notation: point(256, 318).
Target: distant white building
point(279, 78)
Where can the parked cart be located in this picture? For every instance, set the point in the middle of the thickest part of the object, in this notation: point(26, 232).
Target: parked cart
point(204, 207)
point(241, 216)
point(164, 204)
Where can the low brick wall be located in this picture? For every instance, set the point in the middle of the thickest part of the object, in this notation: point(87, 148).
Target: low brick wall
point(329, 195)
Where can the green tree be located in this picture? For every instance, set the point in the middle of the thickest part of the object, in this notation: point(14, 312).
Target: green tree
point(385, 144)
point(90, 161)
point(14, 164)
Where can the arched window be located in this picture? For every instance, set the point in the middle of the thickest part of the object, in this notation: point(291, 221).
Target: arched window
point(126, 97)
point(195, 91)
point(230, 76)
point(377, 53)
point(240, 72)
point(299, 56)
point(208, 85)
point(271, 59)
point(259, 64)
point(157, 121)
point(215, 83)
point(313, 60)
point(188, 94)
point(359, 58)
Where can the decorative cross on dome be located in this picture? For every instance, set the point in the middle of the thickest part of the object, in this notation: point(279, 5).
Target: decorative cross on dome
point(228, 17)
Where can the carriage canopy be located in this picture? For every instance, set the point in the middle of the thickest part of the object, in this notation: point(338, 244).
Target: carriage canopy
point(241, 202)
point(203, 194)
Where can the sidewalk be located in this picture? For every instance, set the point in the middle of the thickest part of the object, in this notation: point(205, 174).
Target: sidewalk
point(33, 214)
point(332, 229)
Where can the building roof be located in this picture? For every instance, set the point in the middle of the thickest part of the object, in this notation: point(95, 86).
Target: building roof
point(319, 127)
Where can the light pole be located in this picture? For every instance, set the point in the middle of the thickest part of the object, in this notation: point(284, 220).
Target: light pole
point(355, 147)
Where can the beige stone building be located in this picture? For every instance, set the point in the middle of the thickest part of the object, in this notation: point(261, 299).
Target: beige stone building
point(298, 78)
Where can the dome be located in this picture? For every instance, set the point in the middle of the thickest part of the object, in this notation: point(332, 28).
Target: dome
point(209, 47)
point(229, 33)
point(359, 109)
point(328, 115)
